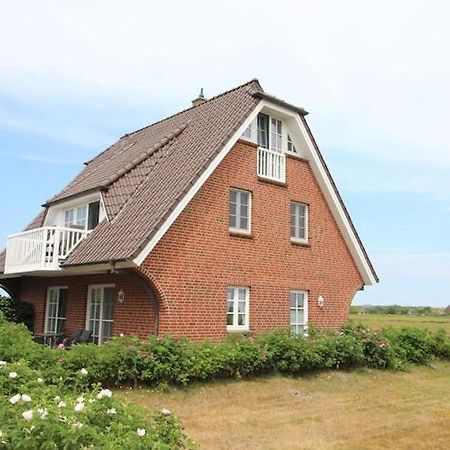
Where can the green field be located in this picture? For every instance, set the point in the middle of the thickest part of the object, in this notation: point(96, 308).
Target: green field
point(432, 323)
point(359, 409)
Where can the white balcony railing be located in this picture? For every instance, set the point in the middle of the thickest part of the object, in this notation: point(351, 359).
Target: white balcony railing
point(41, 249)
point(271, 165)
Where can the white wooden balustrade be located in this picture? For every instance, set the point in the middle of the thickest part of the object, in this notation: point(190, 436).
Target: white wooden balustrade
point(41, 249)
point(271, 165)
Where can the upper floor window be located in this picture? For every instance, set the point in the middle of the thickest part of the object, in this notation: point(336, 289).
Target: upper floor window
point(276, 134)
point(237, 308)
point(56, 310)
point(299, 222)
point(290, 145)
point(240, 211)
point(263, 130)
point(84, 217)
point(299, 312)
point(247, 132)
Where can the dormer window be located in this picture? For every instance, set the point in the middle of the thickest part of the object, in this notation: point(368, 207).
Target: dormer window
point(83, 217)
point(276, 135)
point(263, 130)
point(248, 132)
point(290, 145)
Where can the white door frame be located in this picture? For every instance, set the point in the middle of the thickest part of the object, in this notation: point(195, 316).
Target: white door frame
point(91, 287)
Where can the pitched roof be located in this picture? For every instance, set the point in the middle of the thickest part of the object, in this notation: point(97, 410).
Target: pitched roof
point(146, 173)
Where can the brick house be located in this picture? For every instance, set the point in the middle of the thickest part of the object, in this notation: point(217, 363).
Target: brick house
point(221, 218)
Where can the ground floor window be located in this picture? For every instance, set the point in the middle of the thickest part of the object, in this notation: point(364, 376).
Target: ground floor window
point(55, 315)
point(237, 308)
point(299, 312)
point(99, 317)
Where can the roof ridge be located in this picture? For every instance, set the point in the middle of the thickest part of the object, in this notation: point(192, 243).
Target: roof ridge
point(253, 80)
point(144, 155)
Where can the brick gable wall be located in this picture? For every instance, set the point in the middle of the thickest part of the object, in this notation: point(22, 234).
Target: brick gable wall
point(198, 258)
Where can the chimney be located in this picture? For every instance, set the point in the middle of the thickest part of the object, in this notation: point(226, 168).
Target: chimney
point(200, 99)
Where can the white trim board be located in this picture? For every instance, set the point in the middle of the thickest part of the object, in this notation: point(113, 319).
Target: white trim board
point(298, 134)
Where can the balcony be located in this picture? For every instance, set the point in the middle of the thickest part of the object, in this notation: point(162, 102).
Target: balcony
point(271, 165)
point(41, 249)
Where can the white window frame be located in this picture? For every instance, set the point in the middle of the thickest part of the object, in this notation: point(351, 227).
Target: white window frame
point(235, 326)
point(75, 210)
point(47, 307)
point(91, 287)
point(245, 231)
point(248, 132)
point(294, 238)
point(299, 325)
point(274, 131)
point(293, 149)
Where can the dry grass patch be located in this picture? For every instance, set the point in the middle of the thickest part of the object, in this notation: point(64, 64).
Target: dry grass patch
point(365, 409)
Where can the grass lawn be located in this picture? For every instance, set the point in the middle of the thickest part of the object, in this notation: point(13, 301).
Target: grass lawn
point(364, 409)
point(433, 323)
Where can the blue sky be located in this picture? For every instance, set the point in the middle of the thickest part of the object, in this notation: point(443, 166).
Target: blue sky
point(374, 76)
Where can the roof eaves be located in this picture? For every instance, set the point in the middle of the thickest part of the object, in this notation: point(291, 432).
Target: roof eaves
point(72, 196)
point(278, 101)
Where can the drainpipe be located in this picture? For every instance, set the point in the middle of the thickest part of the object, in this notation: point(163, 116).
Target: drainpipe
point(147, 289)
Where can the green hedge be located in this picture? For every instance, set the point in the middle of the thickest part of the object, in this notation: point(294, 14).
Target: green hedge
point(130, 361)
point(45, 374)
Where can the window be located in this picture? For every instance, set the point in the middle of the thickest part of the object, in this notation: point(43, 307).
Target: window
point(299, 222)
point(276, 135)
point(56, 310)
point(99, 318)
point(299, 312)
point(290, 145)
point(263, 130)
point(247, 134)
point(82, 217)
point(240, 205)
point(237, 308)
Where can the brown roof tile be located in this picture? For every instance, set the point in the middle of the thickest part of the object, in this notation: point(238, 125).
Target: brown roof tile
point(161, 162)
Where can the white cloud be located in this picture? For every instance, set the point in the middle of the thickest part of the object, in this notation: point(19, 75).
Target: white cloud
point(82, 137)
point(374, 74)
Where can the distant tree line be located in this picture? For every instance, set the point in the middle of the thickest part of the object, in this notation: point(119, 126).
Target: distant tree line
point(397, 309)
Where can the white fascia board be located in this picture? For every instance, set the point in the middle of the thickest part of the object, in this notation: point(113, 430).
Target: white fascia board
point(196, 187)
point(319, 172)
point(337, 210)
point(329, 192)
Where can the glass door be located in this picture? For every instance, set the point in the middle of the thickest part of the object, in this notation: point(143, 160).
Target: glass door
point(100, 313)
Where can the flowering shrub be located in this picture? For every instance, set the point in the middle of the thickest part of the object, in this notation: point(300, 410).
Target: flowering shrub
point(35, 414)
point(45, 405)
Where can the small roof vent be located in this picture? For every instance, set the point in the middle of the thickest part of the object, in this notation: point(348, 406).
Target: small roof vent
point(200, 99)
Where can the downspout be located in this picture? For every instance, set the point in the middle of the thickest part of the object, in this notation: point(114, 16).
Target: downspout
point(147, 289)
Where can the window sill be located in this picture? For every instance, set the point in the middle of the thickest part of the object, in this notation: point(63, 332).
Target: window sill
point(237, 330)
point(300, 243)
point(268, 180)
point(242, 234)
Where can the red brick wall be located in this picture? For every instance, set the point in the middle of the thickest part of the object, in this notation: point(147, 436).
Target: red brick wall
point(198, 258)
point(135, 315)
